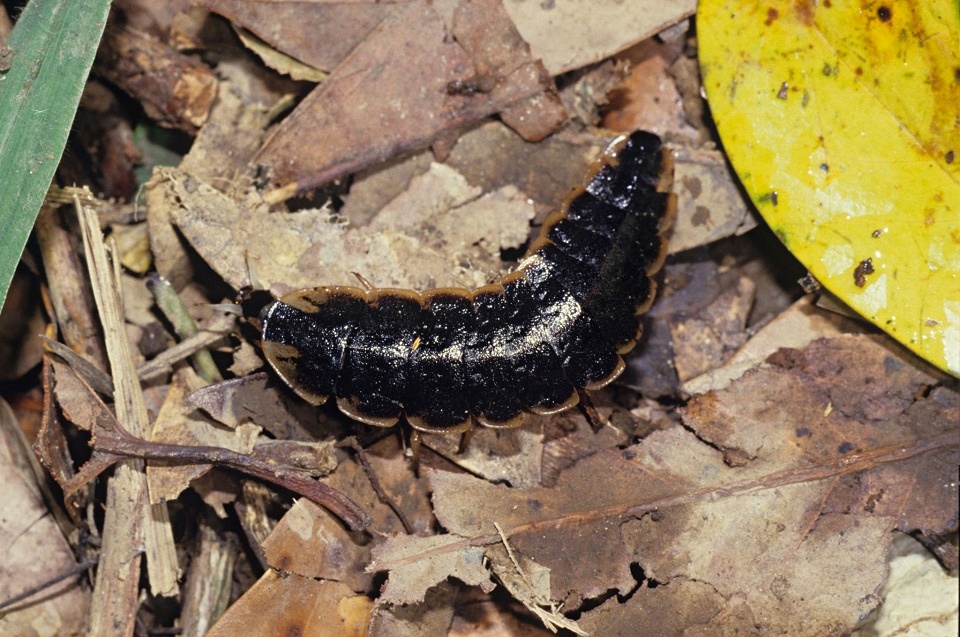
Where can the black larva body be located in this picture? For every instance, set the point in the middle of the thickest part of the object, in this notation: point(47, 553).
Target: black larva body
point(526, 343)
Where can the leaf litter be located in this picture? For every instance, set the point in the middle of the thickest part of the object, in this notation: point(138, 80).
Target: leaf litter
point(766, 504)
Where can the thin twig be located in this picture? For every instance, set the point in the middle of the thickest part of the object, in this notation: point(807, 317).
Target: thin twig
point(176, 312)
point(513, 558)
point(33, 590)
point(382, 495)
point(324, 495)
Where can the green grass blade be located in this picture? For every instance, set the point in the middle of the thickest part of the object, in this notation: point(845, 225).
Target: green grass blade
point(49, 54)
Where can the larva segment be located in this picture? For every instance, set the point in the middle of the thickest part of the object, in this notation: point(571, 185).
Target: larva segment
point(438, 399)
point(526, 343)
point(373, 382)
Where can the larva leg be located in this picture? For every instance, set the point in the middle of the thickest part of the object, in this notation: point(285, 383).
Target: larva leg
point(413, 451)
point(465, 439)
point(589, 411)
point(364, 283)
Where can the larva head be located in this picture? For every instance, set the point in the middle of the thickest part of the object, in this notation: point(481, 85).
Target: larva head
point(304, 337)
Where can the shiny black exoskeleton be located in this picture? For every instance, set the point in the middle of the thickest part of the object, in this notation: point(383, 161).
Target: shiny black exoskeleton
point(445, 357)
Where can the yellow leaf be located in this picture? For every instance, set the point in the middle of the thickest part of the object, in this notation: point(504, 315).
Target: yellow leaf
point(842, 119)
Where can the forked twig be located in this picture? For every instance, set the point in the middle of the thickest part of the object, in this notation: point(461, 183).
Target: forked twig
point(125, 444)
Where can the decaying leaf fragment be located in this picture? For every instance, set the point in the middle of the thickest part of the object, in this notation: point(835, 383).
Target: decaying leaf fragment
point(336, 553)
point(288, 604)
point(465, 66)
point(25, 524)
point(422, 562)
point(760, 518)
point(180, 422)
point(416, 245)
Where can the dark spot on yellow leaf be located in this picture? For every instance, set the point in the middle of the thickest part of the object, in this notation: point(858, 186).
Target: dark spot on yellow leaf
point(804, 9)
point(825, 168)
point(772, 15)
point(860, 273)
point(768, 196)
point(948, 157)
point(876, 233)
point(884, 13)
point(782, 93)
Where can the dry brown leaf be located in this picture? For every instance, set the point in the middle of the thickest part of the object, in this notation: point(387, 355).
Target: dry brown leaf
point(288, 604)
point(365, 111)
point(432, 617)
point(919, 598)
point(710, 198)
point(798, 326)
point(180, 422)
point(482, 615)
point(222, 150)
point(685, 607)
point(574, 33)
point(492, 156)
point(529, 583)
point(573, 439)
point(278, 61)
point(408, 583)
point(35, 549)
point(693, 283)
point(335, 553)
point(766, 526)
point(255, 398)
point(583, 551)
point(308, 248)
point(512, 456)
point(316, 32)
point(220, 156)
point(705, 341)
